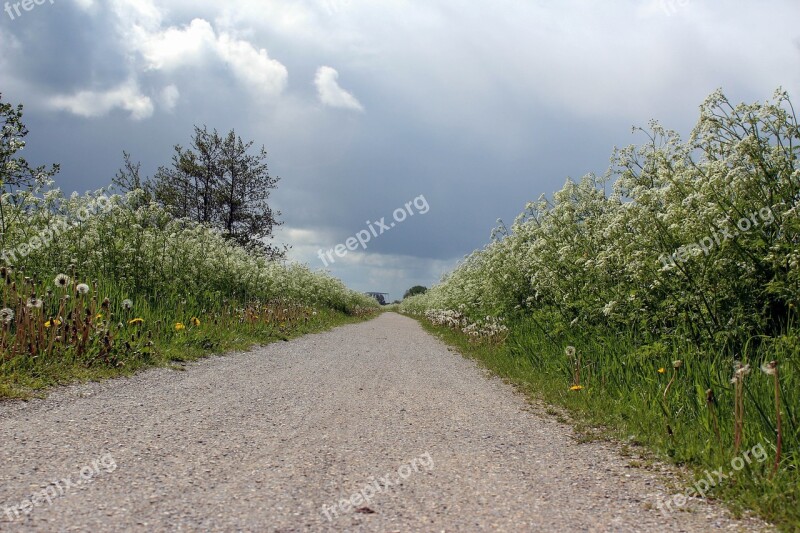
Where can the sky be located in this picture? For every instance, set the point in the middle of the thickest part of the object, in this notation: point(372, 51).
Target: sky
point(454, 113)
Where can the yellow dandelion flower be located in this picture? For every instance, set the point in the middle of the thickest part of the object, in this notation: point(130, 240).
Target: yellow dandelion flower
point(51, 323)
point(576, 387)
point(662, 370)
point(99, 316)
point(195, 321)
point(135, 321)
point(179, 326)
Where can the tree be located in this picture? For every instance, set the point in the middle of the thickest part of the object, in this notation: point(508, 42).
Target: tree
point(15, 172)
point(190, 185)
point(247, 217)
point(413, 291)
point(128, 178)
point(218, 182)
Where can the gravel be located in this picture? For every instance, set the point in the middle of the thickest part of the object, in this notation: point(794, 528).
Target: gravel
point(261, 441)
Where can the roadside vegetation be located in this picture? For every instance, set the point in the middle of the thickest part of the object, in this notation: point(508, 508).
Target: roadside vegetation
point(114, 280)
point(660, 300)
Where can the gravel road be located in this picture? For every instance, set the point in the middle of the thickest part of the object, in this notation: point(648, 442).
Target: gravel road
point(379, 413)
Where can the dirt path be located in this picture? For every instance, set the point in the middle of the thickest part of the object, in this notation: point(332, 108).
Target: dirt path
point(380, 413)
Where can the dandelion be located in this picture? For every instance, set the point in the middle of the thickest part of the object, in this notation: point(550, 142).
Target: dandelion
point(6, 315)
point(127, 304)
point(135, 321)
point(50, 323)
point(82, 288)
point(662, 370)
point(576, 387)
point(34, 303)
point(179, 326)
point(62, 281)
point(99, 316)
point(194, 321)
point(675, 366)
point(742, 371)
point(572, 353)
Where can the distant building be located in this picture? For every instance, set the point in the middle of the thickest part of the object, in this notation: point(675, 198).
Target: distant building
point(380, 296)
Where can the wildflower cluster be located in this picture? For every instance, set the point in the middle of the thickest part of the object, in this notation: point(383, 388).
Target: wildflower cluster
point(592, 255)
point(607, 267)
point(490, 329)
point(146, 251)
point(65, 320)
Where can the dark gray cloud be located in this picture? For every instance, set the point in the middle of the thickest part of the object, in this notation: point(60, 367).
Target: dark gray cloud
point(479, 109)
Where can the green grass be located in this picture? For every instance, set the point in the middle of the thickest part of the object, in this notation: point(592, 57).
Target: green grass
point(623, 400)
point(22, 378)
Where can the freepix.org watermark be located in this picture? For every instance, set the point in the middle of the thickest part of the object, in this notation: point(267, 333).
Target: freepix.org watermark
point(712, 479)
point(763, 217)
point(374, 229)
point(13, 8)
point(98, 205)
point(377, 486)
point(60, 488)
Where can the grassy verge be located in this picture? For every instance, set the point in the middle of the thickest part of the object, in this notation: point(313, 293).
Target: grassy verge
point(631, 401)
point(163, 345)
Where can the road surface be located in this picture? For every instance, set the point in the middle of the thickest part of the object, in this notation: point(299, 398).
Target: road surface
point(370, 427)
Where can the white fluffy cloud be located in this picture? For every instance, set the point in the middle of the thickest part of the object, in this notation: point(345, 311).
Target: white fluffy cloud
point(152, 46)
point(331, 94)
point(97, 103)
point(198, 42)
point(176, 47)
point(253, 66)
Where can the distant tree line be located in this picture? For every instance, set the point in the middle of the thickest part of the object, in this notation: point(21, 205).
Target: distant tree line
point(413, 291)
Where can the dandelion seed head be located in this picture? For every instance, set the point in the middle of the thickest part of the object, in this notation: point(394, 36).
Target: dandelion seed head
point(82, 288)
point(770, 368)
point(743, 371)
point(6, 315)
